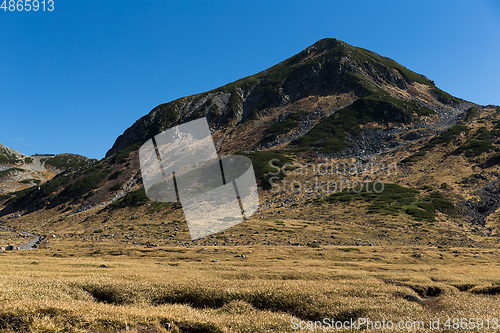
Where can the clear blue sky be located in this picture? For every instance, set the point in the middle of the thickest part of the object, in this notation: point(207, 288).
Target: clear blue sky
point(74, 79)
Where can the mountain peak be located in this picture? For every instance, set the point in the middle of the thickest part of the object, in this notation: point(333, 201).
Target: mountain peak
point(330, 69)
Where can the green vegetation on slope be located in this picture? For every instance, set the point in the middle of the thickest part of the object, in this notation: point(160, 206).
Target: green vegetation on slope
point(29, 181)
point(68, 161)
point(36, 195)
point(471, 113)
point(9, 172)
point(480, 143)
point(123, 155)
point(393, 200)
point(291, 121)
point(131, 199)
point(5, 196)
point(82, 186)
point(329, 135)
point(80, 182)
point(444, 138)
point(261, 164)
point(6, 157)
point(284, 126)
point(158, 207)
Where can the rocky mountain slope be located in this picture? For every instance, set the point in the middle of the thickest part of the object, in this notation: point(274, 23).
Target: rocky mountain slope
point(19, 171)
point(331, 105)
point(283, 103)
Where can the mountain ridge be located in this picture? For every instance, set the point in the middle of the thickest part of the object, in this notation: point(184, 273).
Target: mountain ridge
point(331, 102)
point(328, 67)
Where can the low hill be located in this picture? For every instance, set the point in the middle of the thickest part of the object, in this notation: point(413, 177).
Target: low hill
point(19, 171)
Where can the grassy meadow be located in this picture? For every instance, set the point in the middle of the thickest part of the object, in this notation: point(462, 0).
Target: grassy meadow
point(240, 288)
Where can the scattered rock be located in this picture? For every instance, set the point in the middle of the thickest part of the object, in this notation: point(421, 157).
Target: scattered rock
point(216, 260)
point(103, 266)
point(413, 298)
point(35, 263)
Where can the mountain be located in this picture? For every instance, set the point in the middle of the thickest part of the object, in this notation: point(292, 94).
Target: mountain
point(359, 113)
point(19, 171)
point(280, 104)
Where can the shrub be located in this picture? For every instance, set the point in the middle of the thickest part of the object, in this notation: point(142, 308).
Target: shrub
point(286, 125)
point(349, 249)
point(132, 199)
point(7, 158)
point(34, 195)
point(116, 175)
point(5, 197)
point(482, 134)
point(262, 169)
point(116, 187)
point(82, 186)
point(447, 136)
point(158, 206)
point(213, 113)
point(123, 155)
point(10, 171)
point(29, 181)
point(68, 161)
point(474, 148)
point(394, 200)
point(492, 161)
point(413, 158)
point(471, 113)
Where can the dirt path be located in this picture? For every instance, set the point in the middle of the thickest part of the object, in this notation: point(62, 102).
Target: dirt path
point(32, 244)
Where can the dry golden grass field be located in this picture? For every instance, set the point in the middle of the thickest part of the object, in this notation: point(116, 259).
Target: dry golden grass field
point(242, 288)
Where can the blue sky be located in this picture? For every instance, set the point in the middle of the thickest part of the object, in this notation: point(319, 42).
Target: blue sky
point(74, 79)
